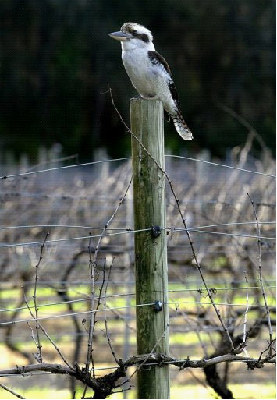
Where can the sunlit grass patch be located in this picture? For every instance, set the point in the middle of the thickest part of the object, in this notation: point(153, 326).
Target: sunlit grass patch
point(240, 391)
point(190, 338)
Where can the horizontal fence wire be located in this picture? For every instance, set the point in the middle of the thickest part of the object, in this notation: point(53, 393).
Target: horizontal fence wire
point(61, 168)
point(74, 335)
point(245, 235)
point(44, 283)
point(221, 165)
point(74, 238)
point(199, 290)
point(28, 173)
point(175, 303)
point(172, 315)
point(129, 230)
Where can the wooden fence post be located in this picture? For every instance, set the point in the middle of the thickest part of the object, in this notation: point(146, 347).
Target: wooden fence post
point(150, 246)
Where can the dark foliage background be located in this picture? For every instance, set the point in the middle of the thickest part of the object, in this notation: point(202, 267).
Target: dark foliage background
point(57, 62)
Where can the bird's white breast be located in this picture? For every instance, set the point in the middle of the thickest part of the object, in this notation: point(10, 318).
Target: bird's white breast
point(151, 80)
point(138, 68)
point(145, 76)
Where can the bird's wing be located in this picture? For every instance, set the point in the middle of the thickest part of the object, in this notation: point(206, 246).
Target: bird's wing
point(157, 59)
point(177, 118)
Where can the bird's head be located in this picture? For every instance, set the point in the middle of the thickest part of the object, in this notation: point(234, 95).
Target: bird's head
point(133, 35)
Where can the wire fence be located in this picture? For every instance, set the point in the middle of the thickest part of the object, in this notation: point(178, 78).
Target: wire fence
point(28, 173)
point(45, 256)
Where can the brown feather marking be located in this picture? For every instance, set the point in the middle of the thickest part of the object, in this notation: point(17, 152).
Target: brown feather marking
point(155, 59)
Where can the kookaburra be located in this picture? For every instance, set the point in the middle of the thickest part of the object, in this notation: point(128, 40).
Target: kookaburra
point(149, 72)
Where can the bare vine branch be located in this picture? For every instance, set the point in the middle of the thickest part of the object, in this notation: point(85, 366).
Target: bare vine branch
point(92, 267)
point(260, 274)
point(38, 356)
point(11, 391)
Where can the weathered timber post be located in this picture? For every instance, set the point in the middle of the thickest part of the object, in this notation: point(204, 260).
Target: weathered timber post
point(150, 246)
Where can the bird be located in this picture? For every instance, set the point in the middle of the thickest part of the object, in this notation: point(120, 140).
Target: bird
point(149, 72)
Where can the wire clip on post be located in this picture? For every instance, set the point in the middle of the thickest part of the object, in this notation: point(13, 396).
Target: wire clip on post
point(155, 231)
point(158, 306)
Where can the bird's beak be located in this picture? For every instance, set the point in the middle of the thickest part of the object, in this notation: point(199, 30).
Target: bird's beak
point(121, 36)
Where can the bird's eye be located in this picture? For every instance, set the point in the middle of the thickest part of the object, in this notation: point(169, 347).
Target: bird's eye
point(134, 32)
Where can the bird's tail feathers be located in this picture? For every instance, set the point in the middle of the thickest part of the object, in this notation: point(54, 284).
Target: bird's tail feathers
point(181, 127)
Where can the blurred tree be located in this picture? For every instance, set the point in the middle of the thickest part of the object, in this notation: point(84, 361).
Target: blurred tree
point(57, 64)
